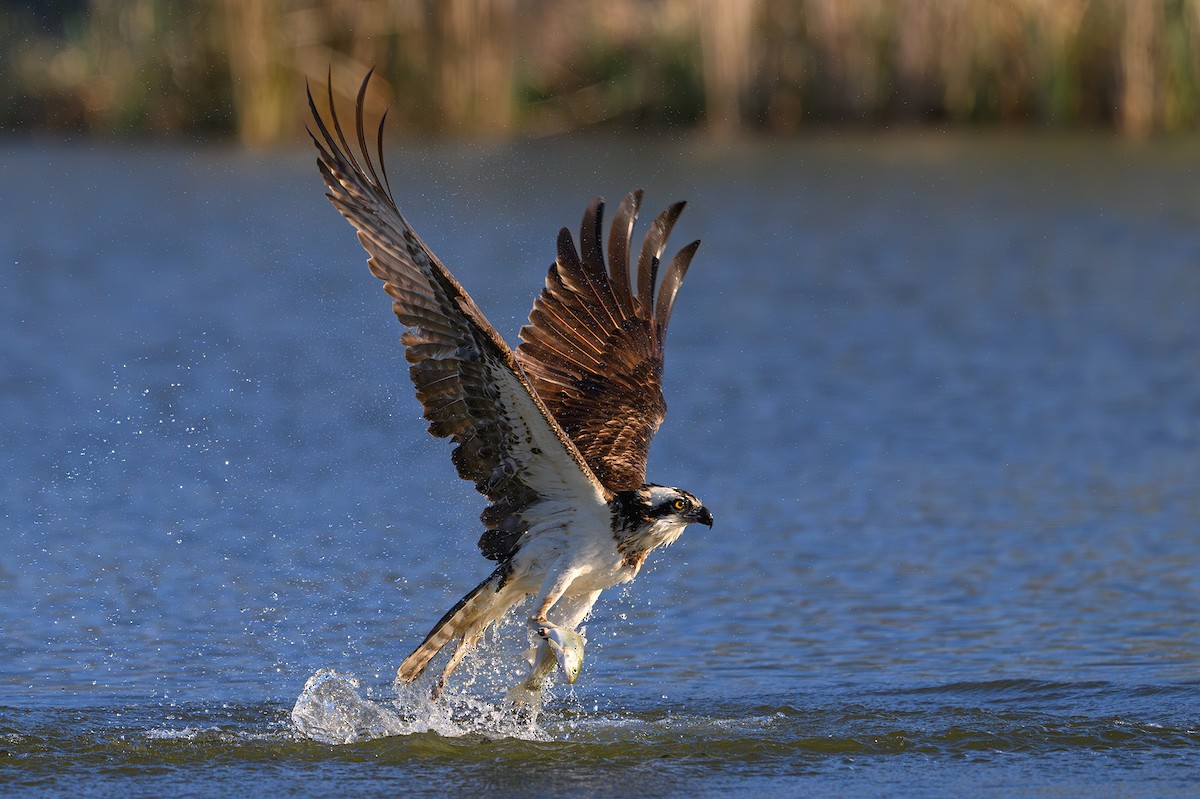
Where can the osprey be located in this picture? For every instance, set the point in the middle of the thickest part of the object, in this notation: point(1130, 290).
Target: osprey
point(556, 433)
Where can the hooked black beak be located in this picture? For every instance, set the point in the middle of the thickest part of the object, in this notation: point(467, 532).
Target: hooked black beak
point(703, 516)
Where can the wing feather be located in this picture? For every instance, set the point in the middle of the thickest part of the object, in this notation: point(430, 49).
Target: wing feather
point(467, 379)
point(669, 287)
point(618, 250)
point(593, 350)
point(652, 249)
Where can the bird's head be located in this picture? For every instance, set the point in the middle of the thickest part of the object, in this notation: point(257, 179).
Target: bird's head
point(674, 505)
point(657, 514)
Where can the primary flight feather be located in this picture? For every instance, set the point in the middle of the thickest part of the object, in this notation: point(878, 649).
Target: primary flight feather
point(555, 434)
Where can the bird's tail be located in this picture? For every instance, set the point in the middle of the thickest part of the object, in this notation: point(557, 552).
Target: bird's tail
point(468, 618)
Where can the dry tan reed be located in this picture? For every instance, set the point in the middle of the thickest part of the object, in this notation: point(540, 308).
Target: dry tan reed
point(502, 67)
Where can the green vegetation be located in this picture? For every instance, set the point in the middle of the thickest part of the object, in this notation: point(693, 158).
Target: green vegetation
point(505, 67)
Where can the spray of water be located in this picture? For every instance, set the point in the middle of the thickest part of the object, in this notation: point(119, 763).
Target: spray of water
point(335, 708)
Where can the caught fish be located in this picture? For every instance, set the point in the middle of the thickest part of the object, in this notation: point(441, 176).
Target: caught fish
point(567, 646)
point(556, 644)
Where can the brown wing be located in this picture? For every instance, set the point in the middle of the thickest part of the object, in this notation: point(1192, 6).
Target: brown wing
point(593, 349)
point(466, 377)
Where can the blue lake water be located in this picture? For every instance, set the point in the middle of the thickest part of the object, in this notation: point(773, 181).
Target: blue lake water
point(942, 395)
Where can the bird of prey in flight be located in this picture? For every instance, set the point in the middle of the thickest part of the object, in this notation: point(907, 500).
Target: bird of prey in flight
point(555, 433)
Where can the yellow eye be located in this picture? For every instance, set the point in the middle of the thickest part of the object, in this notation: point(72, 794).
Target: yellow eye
point(680, 504)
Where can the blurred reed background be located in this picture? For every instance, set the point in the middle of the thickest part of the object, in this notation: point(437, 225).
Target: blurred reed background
point(532, 67)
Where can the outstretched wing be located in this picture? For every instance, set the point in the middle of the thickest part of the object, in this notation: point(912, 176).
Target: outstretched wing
point(466, 377)
point(593, 349)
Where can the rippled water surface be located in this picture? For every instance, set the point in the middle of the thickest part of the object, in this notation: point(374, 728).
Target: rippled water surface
point(942, 395)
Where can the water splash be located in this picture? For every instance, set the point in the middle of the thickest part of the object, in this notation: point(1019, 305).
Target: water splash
point(332, 709)
point(479, 701)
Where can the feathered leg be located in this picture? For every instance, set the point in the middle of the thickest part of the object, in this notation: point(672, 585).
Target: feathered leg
point(465, 645)
point(553, 592)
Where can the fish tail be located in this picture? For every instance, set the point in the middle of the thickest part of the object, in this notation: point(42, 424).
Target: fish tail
point(484, 604)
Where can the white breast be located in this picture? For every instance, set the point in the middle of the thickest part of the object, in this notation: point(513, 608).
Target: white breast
point(565, 537)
